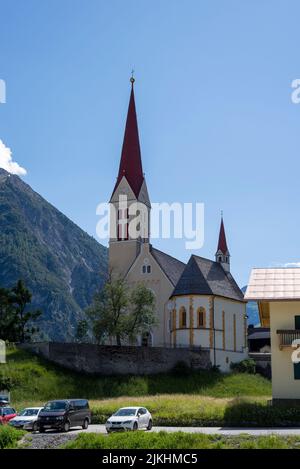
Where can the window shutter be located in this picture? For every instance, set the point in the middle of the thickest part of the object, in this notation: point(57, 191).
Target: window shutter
point(296, 370)
point(297, 322)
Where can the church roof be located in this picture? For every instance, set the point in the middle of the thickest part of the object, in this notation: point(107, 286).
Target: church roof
point(205, 277)
point(131, 161)
point(172, 267)
point(222, 244)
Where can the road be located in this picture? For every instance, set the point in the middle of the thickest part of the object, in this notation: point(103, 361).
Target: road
point(212, 430)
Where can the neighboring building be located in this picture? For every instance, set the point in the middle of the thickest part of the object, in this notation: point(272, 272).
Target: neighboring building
point(259, 339)
point(198, 304)
point(277, 291)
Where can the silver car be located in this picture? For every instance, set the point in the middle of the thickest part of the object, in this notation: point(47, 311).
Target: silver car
point(129, 418)
point(27, 419)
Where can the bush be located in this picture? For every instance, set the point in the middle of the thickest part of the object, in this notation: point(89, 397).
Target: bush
point(181, 369)
point(179, 440)
point(245, 366)
point(9, 437)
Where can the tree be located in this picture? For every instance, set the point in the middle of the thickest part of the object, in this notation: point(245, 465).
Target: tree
point(108, 311)
point(82, 330)
point(15, 318)
point(121, 313)
point(7, 315)
point(141, 318)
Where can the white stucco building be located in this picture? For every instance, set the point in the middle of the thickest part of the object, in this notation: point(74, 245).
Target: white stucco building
point(277, 291)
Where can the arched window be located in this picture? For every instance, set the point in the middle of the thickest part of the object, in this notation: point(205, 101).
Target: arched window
point(146, 267)
point(182, 317)
point(220, 259)
point(201, 313)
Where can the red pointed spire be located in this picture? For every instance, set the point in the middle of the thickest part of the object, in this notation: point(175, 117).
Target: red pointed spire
point(131, 162)
point(222, 244)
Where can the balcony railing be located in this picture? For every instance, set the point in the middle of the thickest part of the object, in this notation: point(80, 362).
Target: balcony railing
point(287, 336)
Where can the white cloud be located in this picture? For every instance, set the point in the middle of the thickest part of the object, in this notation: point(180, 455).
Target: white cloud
point(6, 161)
point(291, 264)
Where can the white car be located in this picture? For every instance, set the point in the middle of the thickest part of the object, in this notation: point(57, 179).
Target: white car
point(129, 418)
point(27, 419)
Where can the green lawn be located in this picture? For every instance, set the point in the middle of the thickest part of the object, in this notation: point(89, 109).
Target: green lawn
point(205, 398)
point(37, 380)
point(179, 440)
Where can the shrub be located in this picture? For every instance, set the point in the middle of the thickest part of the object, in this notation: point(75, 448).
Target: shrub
point(179, 440)
point(9, 437)
point(245, 366)
point(181, 369)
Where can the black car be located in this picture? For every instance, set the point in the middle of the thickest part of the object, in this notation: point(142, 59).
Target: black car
point(64, 414)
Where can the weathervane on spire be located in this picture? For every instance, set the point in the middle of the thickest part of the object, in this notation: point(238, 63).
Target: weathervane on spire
point(132, 79)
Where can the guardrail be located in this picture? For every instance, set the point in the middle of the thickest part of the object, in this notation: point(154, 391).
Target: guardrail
point(287, 336)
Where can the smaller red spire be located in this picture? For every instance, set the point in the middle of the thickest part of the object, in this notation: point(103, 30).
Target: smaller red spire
point(222, 244)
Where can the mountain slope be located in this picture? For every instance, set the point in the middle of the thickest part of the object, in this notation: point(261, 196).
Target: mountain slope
point(60, 263)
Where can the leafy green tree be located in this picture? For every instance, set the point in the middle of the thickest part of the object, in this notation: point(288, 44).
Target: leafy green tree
point(121, 313)
point(141, 317)
point(15, 318)
point(108, 311)
point(7, 315)
point(82, 330)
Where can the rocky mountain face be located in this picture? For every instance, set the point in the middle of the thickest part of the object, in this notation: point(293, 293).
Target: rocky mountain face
point(61, 264)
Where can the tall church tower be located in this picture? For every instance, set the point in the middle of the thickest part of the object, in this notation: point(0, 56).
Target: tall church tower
point(129, 204)
point(222, 254)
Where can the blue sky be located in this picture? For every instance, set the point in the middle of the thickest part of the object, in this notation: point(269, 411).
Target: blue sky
point(213, 94)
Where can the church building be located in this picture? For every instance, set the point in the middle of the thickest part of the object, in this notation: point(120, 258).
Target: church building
point(198, 304)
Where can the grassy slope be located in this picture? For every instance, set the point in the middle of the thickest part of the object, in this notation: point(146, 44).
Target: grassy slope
point(178, 440)
point(199, 398)
point(35, 379)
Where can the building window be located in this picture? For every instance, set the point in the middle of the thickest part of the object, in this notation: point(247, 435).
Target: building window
point(220, 259)
point(146, 267)
point(297, 365)
point(123, 217)
point(182, 317)
point(201, 317)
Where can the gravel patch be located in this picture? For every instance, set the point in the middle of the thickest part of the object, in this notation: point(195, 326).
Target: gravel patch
point(46, 440)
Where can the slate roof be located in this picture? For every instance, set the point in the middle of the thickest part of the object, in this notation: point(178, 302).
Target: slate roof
point(172, 267)
point(205, 277)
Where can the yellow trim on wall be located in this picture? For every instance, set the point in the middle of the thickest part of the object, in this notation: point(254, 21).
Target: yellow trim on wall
point(223, 333)
point(174, 327)
point(191, 322)
point(211, 323)
point(234, 332)
point(245, 329)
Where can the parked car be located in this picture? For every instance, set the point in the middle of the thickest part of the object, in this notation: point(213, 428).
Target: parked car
point(129, 418)
point(27, 419)
point(4, 401)
point(64, 414)
point(6, 414)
